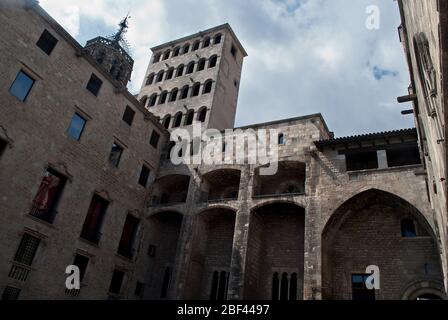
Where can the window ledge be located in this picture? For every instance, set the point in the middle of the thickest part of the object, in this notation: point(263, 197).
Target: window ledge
point(278, 195)
point(45, 223)
point(127, 259)
point(412, 166)
point(93, 244)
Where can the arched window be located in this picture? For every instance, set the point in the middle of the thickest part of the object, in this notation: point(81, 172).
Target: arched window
point(217, 39)
point(213, 61)
point(160, 76)
point(166, 283)
point(144, 101)
point(202, 116)
point(150, 79)
point(163, 97)
point(206, 42)
point(180, 71)
point(284, 287)
point(293, 287)
point(190, 68)
point(173, 96)
point(177, 120)
point(201, 64)
point(152, 100)
point(275, 287)
point(184, 94)
point(208, 86)
point(408, 228)
point(167, 121)
point(156, 58)
point(186, 48)
point(189, 118)
point(176, 51)
point(195, 89)
point(166, 55)
point(281, 139)
point(169, 73)
point(196, 45)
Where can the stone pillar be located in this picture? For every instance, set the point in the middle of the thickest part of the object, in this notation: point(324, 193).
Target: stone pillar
point(238, 264)
point(382, 159)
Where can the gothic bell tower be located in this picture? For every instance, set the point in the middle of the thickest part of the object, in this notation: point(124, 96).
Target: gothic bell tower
point(112, 53)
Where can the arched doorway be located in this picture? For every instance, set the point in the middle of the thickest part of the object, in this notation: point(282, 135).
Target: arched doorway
point(275, 252)
point(376, 228)
point(211, 255)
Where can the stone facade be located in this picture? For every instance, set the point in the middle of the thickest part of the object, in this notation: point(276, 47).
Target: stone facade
point(204, 231)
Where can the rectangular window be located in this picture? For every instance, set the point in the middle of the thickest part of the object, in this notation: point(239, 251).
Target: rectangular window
point(144, 176)
point(361, 160)
point(116, 282)
point(403, 156)
point(27, 250)
point(21, 86)
point(128, 115)
point(128, 236)
point(154, 141)
point(48, 195)
point(81, 262)
point(94, 85)
point(3, 145)
point(94, 219)
point(115, 155)
point(233, 51)
point(47, 42)
point(11, 294)
point(359, 288)
point(77, 126)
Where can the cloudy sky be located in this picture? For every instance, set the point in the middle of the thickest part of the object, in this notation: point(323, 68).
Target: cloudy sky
point(305, 56)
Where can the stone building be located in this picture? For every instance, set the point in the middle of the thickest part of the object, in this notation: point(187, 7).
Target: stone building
point(87, 178)
point(423, 32)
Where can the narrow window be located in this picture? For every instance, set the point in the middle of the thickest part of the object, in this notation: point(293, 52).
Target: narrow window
point(208, 87)
point(166, 122)
point(359, 288)
point(281, 139)
point(408, 228)
point(202, 115)
point(156, 58)
point(94, 85)
point(94, 219)
point(150, 79)
point(163, 97)
point(177, 120)
point(128, 115)
point(275, 287)
point(169, 73)
point(139, 290)
point(3, 145)
point(196, 45)
point(48, 195)
point(144, 176)
point(166, 55)
point(160, 76)
point(27, 250)
point(126, 246)
point(189, 119)
point(180, 71)
point(190, 68)
point(186, 48)
point(154, 141)
point(144, 101)
point(233, 51)
point(284, 287)
point(115, 155)
point(217, 39)
point(81, 262)
point(11, 294)
point(166, 283)
point(212, 62)
point(176, 52)
point(47, 42)
point(77, 126)
point(116, 282)
point(168, 155)
point(173, 96)
point(201, 64)
point(214, 290)
point(206, 42)
point(184, 94)
point(153, 100)
point(293, 287)
point(195, 89)
point(21, 86)
point(222, 291)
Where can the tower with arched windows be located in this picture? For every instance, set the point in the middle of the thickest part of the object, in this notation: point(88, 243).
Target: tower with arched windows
point(195, 79)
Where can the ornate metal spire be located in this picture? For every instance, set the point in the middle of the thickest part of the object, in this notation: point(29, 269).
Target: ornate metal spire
point(119, 36)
